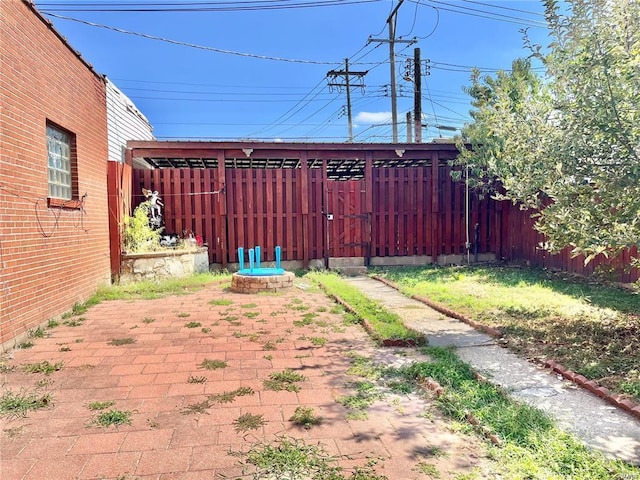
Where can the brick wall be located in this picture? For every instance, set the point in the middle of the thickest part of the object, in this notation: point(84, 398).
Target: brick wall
point(50, 258)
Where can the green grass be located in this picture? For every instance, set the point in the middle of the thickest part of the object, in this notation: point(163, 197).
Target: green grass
point(212, 364)
point(192, 324)
point(290, 458)
point(116, 342)
point(285, 380)
point(18, 404)
point(305, 417)
point(386, 325)
point(248, 421)
point(532, 446)
point(101, 405)
point(113, 417)
point(38, 333)
point(150, 290)
point(590, 328)
point(45, 367)
point(221, 301)
point(230, 396)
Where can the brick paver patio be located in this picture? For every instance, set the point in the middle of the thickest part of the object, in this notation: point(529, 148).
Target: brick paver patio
point(168, 438)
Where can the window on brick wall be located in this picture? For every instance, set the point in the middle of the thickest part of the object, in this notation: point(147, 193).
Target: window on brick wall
point(61, 153)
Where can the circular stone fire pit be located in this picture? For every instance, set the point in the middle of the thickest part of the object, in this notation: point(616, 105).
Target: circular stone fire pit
point(243, 283)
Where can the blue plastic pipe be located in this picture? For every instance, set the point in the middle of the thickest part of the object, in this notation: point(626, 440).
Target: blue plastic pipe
point(278, 252)
point(241, 257)
point(257, 248)
point(251, 259)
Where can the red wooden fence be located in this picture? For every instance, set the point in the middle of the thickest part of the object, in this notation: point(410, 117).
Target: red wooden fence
point(392, 211)
point(522, 243)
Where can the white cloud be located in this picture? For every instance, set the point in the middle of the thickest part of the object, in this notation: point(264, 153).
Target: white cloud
point(367, 118)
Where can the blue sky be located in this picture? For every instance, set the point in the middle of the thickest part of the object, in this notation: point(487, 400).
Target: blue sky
point(274, 86)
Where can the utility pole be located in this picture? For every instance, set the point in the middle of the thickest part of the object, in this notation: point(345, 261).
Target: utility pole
point(334, 74)
point(417, 95)
point(392, 61)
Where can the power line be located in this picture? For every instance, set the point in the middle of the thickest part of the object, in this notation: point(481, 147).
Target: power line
point(192, 6)
point(474, 12)
point(187, 44)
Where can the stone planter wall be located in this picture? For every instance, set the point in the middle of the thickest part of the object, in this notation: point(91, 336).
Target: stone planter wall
point(162, 265)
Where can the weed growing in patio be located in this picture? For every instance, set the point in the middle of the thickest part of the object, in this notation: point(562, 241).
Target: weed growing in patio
point(268, 357)
point(305, 417)
point(197, 408)
point(318, 341)
point(45, 367)
point(285, 380)
point(307, 319)
point(6, 368)
point(251, 314)
point(248, 421)
point(113, 417)
point(193, 379)
point(364, 367)
point(38, 333)
point(232, 320)
point(74, 322)
point(148, 320)
point(230, 396)
point(25, 345)
point(116, 342)
point(65, 349)
point(321, 309)
point(192, 324)
point(18, 404)
point(269, 345)
point(183, 314)
point(427, 469)
point(221, 301)
point(291, 458)
point(249, 305)
point(205, 330)
point(366, 395)
point(53, 323)
point(212, 364)
point(76, 310)
point(101, 405)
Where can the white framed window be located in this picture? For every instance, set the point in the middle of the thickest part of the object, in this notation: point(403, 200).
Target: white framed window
point(60, 150)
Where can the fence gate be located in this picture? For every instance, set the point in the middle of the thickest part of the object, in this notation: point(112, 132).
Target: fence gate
point(348, 223)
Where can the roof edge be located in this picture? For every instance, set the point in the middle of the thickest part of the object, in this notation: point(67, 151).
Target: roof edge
point(65, 42)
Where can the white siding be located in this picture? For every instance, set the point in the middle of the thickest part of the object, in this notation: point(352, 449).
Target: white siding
point(124, 122)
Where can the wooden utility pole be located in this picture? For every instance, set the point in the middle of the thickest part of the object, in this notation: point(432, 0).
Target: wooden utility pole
point(333, 74)
point(417, 94)
point(392, 62)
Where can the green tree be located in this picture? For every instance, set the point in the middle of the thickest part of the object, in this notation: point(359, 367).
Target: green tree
point(567, 142)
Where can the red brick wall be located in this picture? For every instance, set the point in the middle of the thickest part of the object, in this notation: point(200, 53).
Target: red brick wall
point(50, 258)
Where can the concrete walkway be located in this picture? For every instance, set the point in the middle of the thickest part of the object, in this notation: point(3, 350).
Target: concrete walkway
point(587, 416)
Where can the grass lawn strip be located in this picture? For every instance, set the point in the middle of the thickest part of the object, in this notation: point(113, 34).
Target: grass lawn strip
point(589, 328)
point(385, 327)
point(531, 446)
